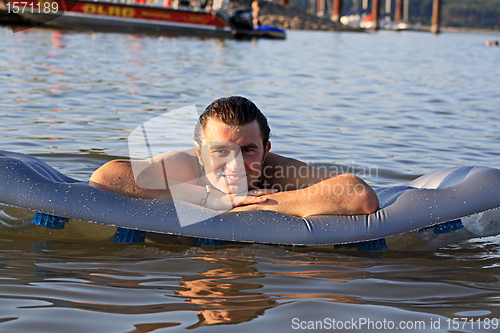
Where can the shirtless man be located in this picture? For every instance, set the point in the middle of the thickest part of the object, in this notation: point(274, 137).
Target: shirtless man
point(232, 167)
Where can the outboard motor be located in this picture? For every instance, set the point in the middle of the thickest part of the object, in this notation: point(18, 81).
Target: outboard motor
point(242, 19)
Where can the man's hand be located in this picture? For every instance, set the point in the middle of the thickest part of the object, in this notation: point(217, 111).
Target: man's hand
point(222, 201)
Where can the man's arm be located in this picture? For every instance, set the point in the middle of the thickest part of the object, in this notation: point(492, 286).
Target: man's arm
point(345, 194)
point(305, 190)
point(150, 180)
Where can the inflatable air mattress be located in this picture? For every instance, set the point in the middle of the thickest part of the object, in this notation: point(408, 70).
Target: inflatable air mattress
point(432, 211)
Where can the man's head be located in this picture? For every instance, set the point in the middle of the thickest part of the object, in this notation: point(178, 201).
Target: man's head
point(233, 111)
point(232, 141)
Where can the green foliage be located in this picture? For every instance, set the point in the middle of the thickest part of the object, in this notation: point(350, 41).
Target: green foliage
point(471, 13)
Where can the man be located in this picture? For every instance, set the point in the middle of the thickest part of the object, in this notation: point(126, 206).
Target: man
point(232, 167)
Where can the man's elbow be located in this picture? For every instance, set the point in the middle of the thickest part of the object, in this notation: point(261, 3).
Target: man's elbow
point(367, 201)
point(109, 176)
point(368, 204)
point(98, 178)
point(364, 200)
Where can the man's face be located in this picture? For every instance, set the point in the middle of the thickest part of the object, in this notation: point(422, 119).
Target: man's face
point(232, 156)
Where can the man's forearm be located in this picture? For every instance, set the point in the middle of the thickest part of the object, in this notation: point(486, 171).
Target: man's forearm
point(345, 194)
point(117, 176)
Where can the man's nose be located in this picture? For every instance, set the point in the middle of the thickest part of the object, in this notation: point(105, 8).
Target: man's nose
point(235, 161)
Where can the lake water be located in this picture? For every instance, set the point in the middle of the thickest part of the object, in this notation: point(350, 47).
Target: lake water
point(397, 104)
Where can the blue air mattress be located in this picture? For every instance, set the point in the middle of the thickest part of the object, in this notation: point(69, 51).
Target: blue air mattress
point(436, 209)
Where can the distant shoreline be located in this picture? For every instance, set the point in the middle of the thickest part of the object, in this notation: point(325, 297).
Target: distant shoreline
point(455, 29)
point(291, 18)
point(294, 19)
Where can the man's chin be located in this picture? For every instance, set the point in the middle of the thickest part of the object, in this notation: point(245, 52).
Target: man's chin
point(235, 189)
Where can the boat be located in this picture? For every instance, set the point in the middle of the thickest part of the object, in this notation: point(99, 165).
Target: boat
point(184, 18)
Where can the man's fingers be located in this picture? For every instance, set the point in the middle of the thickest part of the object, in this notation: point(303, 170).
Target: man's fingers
point(259, 192)
point(253, 197)
point(250, 200)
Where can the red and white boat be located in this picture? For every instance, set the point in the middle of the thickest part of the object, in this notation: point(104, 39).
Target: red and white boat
point(171, 19)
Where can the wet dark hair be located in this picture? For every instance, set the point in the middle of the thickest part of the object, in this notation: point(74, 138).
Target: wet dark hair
point(233, 111)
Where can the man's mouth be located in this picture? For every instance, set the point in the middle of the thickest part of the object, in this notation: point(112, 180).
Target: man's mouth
point(231, 178)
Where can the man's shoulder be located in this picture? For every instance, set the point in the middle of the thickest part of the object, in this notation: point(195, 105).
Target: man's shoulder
point(179, 165)
point(181, 156)
point(272, 160)
point(286, 173)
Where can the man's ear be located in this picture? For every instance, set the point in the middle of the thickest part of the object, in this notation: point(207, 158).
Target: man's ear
point(267, 148)
point(197, 148)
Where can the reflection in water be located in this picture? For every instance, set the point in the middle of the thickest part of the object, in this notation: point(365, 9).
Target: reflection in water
point(221, 298)
point(55, 38)
point(145, 328)
point(143, 289)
